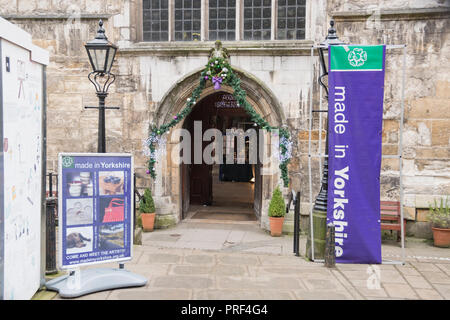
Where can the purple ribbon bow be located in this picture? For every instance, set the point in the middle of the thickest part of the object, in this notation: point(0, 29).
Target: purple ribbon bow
point(217, 81)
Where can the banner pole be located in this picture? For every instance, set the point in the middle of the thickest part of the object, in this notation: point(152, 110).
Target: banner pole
point(311, 221)
point(401, 154)
point(319, 148)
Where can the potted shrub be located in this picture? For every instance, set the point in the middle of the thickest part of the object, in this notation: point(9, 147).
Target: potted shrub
point(277, 209)
point(147, 209)
point(440, 218)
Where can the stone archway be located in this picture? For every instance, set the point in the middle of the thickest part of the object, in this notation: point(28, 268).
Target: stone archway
point(168, 184)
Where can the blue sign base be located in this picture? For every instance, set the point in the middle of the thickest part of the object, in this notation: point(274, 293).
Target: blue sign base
point(88, 281)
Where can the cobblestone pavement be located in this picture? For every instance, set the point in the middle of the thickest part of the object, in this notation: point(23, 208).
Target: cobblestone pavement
point(241, 261)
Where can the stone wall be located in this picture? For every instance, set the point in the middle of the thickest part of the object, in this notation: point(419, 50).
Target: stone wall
point(146, 72)
point(424, 27)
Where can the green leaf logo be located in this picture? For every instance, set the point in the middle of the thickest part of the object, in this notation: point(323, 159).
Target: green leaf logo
point(67, 162)
point(357, 57)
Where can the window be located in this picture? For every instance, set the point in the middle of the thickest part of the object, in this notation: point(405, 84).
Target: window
point(155, 20)
point(187, 20)
point(226, 20)
point(222, 19)
point(257, 19)
point(291, 19)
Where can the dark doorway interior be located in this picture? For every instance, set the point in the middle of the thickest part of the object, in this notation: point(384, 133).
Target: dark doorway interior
point(220, 191)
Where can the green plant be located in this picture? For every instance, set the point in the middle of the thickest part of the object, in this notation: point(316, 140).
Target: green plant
point(146, 203)
point(277, 205)
point(440, 215)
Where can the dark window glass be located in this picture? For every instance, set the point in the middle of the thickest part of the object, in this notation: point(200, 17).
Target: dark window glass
point(291, 19)
point(187, 20)
point(222, 19)
point(257, 19)
point(155, 20)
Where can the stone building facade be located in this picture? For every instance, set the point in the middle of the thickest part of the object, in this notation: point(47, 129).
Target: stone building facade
point(154, 78)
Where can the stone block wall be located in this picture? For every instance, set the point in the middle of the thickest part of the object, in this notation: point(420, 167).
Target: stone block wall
point(424, 27)
point(146, 72)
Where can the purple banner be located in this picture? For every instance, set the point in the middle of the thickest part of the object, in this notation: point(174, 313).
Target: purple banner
point(356, 84)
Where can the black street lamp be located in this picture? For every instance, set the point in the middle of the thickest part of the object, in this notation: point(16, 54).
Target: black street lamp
point(101, 54)
point(331, 40)
point(320, 205)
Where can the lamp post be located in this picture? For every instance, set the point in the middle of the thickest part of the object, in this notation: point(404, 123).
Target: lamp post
point(101, 55)
point(330, 40)
point(320, 205)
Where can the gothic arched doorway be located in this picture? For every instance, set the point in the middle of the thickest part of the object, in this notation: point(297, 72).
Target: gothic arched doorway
point(171, 187)
point(229, 187)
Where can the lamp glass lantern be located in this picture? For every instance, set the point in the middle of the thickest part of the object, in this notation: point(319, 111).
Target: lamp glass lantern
point(331, 40)
point(101, 52)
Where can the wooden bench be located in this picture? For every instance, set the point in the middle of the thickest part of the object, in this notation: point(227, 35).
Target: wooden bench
point(390, 217)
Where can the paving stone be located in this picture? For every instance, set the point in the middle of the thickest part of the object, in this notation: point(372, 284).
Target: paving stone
point(356, 274)
point(391, 276)
point(199, 259)
point(408, 271)
point(444, 267)
point(285, 261)
point(215, 294)
point(276, 295)
point(423, 266)
point(366, 292)
point(436, 277)
point(236, 236)
point(264, 283)
point(403, 291)
point(228, 270)
point(322, 284)
point(444, 290)
point(265, 249)
point(150, 294)
point(203, 245)
point(359, 283)
point(196, 235)
point(428, 294)
point(303, 272)
point(322, 295)
point(149, 270)
point(161, 258)
point(186, 282)
point(173, 237)
point(418, 282)
point(239, 259)
point(351, 267)
point(219, 270)
point(190, 270)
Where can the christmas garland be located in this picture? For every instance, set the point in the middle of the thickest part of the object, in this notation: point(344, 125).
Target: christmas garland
point(219, 72)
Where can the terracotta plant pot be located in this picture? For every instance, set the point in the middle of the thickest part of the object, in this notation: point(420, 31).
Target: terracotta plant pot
point(148, 221)
point(276, 226)
point(441, 237)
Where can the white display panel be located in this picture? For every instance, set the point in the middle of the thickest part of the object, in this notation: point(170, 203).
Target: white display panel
point(22, 95)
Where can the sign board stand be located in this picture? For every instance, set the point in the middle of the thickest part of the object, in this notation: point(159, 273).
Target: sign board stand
point(95, 207)
point(82, 282)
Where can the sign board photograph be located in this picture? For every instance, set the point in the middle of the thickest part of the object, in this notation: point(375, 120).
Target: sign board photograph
point(95, 208)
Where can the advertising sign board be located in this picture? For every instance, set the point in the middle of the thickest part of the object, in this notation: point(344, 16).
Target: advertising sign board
point(356, 82)
point(95, 208)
